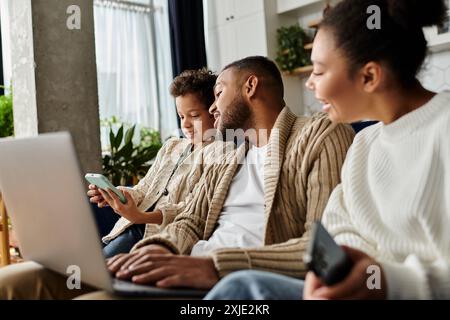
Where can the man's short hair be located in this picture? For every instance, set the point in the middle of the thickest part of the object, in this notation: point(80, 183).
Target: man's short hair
point(263, 67)
point(199, 82)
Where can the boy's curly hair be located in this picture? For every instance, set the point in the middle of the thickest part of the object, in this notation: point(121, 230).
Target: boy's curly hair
point(199, 82)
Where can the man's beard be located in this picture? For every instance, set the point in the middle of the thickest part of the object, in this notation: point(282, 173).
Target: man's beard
point(237, 115)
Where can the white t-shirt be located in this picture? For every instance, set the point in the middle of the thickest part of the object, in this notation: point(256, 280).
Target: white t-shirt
point(241, 223)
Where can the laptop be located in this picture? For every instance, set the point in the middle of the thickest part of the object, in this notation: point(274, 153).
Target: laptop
point(43, 189)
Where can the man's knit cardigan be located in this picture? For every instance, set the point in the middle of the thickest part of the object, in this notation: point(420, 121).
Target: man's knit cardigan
point(302, 167)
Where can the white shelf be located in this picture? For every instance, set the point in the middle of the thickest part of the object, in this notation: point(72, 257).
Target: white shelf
point(284, 6)
point(301, 72)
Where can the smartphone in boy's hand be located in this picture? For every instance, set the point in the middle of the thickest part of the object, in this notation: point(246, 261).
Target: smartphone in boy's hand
point(103, 183)
point(325, 257)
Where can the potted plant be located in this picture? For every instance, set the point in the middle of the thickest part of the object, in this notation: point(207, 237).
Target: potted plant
point(126, 161)
point(6, 114)
point(291, 52)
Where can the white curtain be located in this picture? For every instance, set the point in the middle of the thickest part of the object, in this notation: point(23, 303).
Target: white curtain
point(134, 66)
point(6, 42)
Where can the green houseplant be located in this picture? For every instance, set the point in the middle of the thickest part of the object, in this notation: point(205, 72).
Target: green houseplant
point(291, 52)
point(6, 114)
point(127, 161)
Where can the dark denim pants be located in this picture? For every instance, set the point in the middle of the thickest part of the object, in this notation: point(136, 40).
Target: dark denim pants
point(106, 218)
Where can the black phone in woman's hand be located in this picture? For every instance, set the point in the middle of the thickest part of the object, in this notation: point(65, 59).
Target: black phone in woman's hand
point(325, 257)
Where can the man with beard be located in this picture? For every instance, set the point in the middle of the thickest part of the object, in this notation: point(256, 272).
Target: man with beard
point(254, 208)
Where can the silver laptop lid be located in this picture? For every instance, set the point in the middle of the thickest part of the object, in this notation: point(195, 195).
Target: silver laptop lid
point(41, 183)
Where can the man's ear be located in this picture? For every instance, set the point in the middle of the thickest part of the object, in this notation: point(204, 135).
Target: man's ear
point(250, 86)
point(371, 76)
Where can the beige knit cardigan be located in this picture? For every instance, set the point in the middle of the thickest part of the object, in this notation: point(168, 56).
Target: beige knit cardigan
point(302, 167)
point(150, 190)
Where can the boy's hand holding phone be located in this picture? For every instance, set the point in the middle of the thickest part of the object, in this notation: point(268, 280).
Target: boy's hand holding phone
point(103, 192)
point(101, 182)
point(95, 196)
point(128, 210)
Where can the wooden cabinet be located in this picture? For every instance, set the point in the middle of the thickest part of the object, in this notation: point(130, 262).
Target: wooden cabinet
point(236, 29)
point(227, 11)
point(244, 8)
point(284, 6)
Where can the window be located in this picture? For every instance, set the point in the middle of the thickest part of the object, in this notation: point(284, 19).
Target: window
point(134, 63)
point(5, 45)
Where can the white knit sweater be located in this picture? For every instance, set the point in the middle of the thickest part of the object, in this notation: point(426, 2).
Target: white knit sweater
point(394, 200)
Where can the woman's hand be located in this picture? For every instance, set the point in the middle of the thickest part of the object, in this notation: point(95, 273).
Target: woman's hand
point(128, 210)
point(354, 286)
